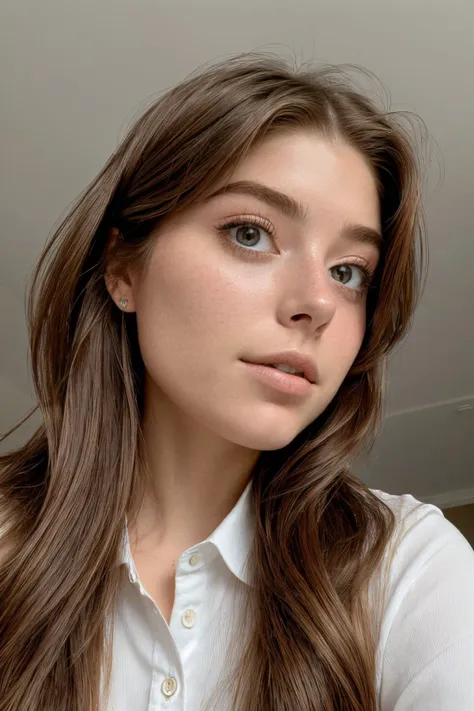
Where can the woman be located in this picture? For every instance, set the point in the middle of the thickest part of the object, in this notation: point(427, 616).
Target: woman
point(183, 531)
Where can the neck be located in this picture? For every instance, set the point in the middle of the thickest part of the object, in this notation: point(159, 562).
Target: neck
point(194, 478)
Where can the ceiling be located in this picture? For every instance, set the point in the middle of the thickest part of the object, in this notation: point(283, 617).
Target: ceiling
point(75, 74)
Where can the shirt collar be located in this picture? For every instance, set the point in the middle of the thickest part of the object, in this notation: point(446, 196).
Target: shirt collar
point(232, 538)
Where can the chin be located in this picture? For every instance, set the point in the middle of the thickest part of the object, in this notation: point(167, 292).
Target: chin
point(266, 439)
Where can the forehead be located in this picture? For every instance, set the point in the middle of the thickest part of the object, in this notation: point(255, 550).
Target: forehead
point(327, 177)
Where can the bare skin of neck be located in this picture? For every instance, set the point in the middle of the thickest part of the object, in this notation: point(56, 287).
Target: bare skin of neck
point(196, 479)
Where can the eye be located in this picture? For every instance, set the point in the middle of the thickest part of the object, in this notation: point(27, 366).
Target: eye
point(243, 234)
point(353, 276)
point(247, 234)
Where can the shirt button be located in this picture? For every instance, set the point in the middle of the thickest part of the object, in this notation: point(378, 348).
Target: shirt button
point(169, 686)
point(194, 560)
point(188, 618)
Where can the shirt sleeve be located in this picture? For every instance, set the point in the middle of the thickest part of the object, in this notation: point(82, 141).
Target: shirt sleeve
point(428, 652)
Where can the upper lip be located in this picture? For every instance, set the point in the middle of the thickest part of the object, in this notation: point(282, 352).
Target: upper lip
point(292, 358)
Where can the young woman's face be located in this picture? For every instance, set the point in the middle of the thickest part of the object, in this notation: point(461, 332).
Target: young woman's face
point(213, 295)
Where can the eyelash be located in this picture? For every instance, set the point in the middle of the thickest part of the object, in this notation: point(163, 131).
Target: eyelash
point(260, 221)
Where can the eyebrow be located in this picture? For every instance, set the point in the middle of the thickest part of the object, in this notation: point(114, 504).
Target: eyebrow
point(293, 209)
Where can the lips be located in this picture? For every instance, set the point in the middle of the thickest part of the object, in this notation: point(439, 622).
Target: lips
point(298, 375)
point(294, 359)
point(277, 379)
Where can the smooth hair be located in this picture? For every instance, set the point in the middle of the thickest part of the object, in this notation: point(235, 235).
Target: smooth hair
point(323, 539)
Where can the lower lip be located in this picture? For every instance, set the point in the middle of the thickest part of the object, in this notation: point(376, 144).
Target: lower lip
point(284, 382)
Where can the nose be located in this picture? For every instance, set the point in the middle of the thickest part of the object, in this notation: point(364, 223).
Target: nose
point(311, 302)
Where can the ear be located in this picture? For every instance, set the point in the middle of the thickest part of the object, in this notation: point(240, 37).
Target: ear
point(118, 285)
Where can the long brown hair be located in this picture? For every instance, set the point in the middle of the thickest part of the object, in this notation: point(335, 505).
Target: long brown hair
point(321, 535)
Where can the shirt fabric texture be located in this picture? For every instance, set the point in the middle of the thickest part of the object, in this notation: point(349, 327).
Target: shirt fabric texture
point(425, 654)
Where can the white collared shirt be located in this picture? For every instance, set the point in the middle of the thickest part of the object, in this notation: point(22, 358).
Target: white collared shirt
point(425, 656)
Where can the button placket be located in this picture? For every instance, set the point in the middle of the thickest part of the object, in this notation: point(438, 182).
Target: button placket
point(188, 618)
point(169, 686)
point(189, 601)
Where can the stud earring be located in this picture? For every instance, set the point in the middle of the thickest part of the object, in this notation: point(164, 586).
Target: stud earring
point(123, 302)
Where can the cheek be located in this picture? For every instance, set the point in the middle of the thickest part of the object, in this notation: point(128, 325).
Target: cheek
point(187, 302)
point(345, 339)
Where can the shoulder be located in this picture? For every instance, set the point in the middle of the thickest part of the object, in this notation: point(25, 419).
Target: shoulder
point(428, 623)
point(423, 535)
point(424, 540)
point(405, 506)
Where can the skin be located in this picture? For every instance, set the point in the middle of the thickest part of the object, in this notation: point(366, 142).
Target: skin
point(201, 307)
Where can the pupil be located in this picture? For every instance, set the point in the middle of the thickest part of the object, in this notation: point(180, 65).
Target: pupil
point(248, 232)
point(344, 271)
